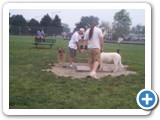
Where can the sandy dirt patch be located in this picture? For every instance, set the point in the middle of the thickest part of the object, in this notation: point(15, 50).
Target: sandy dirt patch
point(65, 71)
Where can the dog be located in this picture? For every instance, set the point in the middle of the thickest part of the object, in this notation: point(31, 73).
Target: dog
point(111, 57)
point(61, 56)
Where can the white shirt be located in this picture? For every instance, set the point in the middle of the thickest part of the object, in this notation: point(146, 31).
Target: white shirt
point(75, 38)
point(42, 33)
point(38, 33)
point(94, 41)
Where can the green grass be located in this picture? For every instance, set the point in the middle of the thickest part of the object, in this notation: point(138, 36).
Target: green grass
point(30, 88)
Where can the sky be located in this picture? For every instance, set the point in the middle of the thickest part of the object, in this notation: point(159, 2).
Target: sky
point(72, 16)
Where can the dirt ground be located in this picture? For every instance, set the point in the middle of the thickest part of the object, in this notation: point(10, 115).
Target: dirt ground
point(65, 71)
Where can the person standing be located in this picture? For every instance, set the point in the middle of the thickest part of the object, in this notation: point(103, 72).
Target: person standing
point(93, 38)
point(74, 46)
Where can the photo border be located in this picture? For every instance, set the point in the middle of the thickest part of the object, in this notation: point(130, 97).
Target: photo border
point(104, 5)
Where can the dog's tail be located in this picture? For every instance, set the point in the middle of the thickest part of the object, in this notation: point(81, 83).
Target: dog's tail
point(120, 63)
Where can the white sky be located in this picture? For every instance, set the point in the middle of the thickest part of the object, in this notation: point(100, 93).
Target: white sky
point(72, 16)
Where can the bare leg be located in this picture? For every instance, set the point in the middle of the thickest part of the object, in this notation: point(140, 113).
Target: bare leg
point(72, 56)
point(94, 63)
point(95, 66)
point(91, 66)
point(71, 59)
point(101, 65)
point(94, 69)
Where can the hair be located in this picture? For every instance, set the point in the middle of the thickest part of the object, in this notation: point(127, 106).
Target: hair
point(91, 29)
point(90, 33)
point(81, 29)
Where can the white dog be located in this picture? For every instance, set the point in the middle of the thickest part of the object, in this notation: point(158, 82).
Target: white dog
point(111, 57)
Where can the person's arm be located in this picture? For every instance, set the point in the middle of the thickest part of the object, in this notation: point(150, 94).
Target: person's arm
point(101, 40)
point(78, 48)
point(85, 42)
point(77, 38)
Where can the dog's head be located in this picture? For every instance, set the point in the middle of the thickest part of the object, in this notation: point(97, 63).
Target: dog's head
point(61, 50)
point(118, 50)
point(61, 55)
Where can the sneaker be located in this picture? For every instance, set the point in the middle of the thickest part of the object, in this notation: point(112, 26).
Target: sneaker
point(71, 66)
point(93, 75)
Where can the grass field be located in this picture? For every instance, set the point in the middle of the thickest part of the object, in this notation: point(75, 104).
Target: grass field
point(30, 88)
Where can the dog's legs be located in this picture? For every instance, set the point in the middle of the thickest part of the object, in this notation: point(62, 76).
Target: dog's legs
point(116, 65)
point(116, 68)
point(101, 65)
point(64, 59)
point(120, 63)
point(58, 59)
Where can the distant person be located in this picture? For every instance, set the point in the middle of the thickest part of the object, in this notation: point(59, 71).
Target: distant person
point(40, 35)
point(74, 46)
point(93, 38)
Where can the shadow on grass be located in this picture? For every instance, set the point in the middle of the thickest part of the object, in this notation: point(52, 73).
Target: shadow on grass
point(41, 48)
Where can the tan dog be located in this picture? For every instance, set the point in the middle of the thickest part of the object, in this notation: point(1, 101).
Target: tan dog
point(61, 56)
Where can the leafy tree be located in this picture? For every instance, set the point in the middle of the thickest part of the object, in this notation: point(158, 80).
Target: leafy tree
point(139, 29)
point(45, 21)
point(18, 20)
point(121, 24)
point(106, 30)
point(17, 24)
point(10, 19)
point(66, 28)
point(33, 26)
point(105, 25)
point(85, 21)
point(137, 33)
point(133, 30)
point(56, 26)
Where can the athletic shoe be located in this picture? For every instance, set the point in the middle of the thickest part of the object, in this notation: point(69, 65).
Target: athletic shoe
point(93, 75)
point(71, 66)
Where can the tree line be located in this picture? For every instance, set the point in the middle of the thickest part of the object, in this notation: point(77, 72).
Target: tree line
point(19, 25)
point(121, 27)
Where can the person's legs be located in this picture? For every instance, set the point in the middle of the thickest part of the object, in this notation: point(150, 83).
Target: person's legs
point(72, 56)
point(38, 38)
point(95, 66)
point(90, 59)
point(96, 60)
point(42, 38)
point(96, 57)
